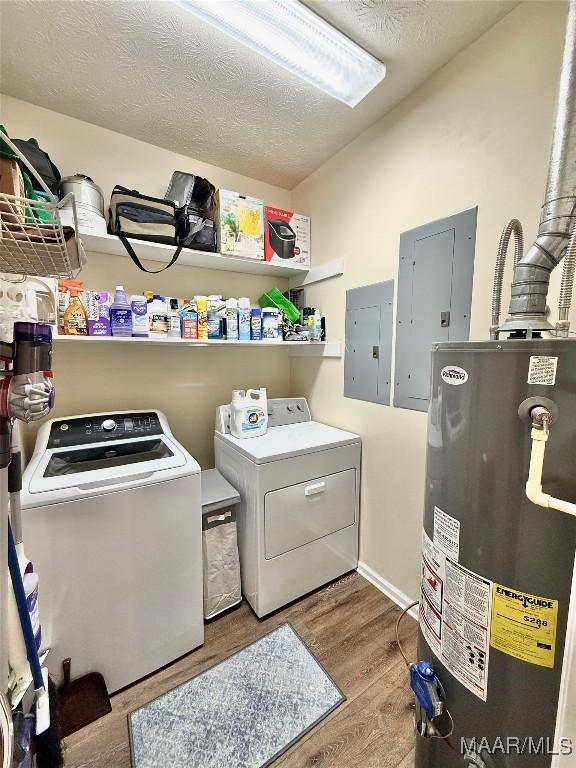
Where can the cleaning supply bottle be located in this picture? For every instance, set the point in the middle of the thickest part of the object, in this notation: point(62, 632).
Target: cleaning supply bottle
point(232, 319)
point(157, 317)
point(215, 318)
point(188, 321)
point(75, 317)
point(98, 305)
point(256, 324)
point(64, 288)
point(316, 334)
point(249, 413)
point(244, 319)
point(121, 313)
point(139, 307)
point(202, 309)
point(173, 318)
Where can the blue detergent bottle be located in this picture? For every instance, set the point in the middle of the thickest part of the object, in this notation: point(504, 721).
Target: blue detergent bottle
point(121, 313)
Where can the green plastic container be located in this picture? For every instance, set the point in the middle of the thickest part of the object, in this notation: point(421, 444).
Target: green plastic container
point(275, 298)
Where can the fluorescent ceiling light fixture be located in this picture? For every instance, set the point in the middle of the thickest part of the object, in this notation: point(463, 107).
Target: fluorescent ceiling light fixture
point(291, 35)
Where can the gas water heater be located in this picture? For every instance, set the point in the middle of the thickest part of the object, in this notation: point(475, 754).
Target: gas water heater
point(499, 532)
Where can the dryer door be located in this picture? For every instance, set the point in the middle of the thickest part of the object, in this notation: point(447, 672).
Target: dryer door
point(299, 514)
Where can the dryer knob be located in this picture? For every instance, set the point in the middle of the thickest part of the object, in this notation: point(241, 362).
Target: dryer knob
point(108, 425)
point(289, 408)
point(299, 407)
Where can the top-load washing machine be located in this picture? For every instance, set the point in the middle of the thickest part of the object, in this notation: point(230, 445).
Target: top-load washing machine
point(112, 520)
point(299, 517)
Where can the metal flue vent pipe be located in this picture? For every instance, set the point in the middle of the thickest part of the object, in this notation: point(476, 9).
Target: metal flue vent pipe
point(532, 273)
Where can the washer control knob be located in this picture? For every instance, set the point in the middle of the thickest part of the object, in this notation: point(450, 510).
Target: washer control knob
point(289, 408)
point(298, 405)
point(108, 425)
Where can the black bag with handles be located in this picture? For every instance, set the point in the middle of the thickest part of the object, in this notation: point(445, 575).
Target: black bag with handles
point(194, 197)
point(41, 163)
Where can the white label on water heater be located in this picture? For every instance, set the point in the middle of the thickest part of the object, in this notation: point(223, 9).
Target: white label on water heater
point(455, 616)
point(542, 370)
point(453, 374)
point(447, 533)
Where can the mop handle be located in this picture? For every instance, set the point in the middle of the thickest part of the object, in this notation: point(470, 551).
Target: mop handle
point(25, 622)
point(14, 488)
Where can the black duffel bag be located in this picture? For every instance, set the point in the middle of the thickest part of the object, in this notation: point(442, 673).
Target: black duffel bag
point(41, 163)
point(194, 196)
point(142, 217)
point(195, 230)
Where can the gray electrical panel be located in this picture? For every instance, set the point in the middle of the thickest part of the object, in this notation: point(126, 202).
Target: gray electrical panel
point(368, 347)
point(435, 277)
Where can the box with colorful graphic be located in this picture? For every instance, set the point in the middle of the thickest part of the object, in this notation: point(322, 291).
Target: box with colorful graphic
point(241, 225)
point(286, 237)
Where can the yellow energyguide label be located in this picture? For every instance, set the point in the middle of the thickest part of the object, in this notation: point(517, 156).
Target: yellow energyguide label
point(524, 625)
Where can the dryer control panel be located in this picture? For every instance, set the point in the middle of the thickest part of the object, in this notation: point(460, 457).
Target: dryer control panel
point(84, 430)
point(281, 410)
point(287, 410)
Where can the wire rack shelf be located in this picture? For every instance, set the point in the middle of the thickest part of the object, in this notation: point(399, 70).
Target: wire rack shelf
point(33, 240)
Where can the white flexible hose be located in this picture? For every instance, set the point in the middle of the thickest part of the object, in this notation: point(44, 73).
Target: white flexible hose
point(534, 490)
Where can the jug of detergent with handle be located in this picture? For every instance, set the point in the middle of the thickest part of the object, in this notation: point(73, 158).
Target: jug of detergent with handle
point(249, 412)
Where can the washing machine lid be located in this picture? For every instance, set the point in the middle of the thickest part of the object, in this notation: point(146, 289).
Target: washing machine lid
point(75, 458)
point(289, 440)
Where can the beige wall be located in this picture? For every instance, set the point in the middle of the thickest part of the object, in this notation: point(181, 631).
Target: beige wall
point(187, 384)
point(476, 133)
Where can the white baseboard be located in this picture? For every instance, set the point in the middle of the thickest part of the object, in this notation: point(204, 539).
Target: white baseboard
point(398, 597)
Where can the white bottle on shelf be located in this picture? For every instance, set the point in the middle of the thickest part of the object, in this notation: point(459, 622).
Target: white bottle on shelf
point(316, 334)
point(173, 311)
point(157, 317)
point(232, 319)
point(244, 319)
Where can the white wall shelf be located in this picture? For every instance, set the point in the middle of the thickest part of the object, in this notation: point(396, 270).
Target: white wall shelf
point(294, 348)
point(111, 245)
point(325, 271)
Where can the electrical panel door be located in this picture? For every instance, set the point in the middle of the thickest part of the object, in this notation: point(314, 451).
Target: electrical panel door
point(368, 350)
point(434, 297)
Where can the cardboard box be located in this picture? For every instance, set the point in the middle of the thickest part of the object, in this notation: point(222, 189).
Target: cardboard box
point(12, 183)
point(286, 237)
point(240, 225)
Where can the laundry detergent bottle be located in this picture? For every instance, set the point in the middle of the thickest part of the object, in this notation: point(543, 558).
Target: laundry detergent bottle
point(249, 413)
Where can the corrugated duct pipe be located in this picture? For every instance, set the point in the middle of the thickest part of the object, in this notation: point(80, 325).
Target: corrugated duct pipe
point(558, 218)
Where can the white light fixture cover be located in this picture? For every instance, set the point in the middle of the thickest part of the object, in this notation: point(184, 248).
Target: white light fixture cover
point(288, 33)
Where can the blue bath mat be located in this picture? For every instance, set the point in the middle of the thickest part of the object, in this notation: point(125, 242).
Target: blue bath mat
point(242, 713)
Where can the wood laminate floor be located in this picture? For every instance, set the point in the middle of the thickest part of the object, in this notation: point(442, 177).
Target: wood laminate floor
point(350, 627)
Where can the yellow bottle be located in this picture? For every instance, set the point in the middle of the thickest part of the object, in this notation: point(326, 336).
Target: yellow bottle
point(75, 316)
point(202, 310)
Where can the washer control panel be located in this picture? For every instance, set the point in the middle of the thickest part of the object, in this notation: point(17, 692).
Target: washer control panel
point(287, 410)
point(85, 430)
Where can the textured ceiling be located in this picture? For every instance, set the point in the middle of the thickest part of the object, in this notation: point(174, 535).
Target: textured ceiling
point(151, 70)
